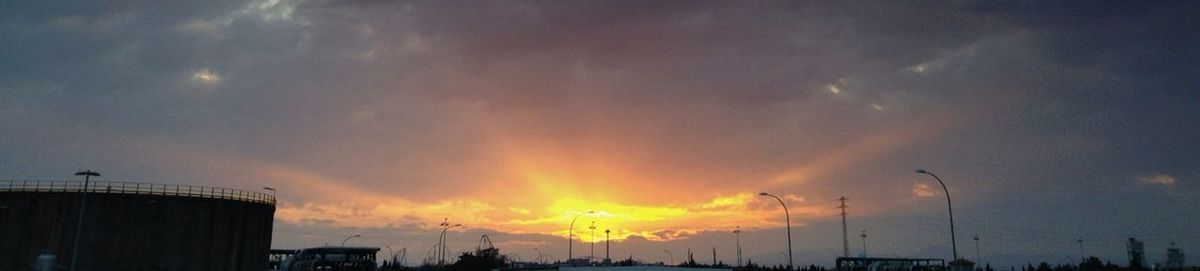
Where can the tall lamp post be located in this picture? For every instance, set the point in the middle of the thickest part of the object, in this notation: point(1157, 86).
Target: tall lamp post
point(669, 255)
point(606, 243)
point(87, 174)
point(788, 220)
point(593, 235)
point(571, 235)
point(864, 238)
point(737, 235)
point(953, 241)
point(348, 238)
point(442, 241)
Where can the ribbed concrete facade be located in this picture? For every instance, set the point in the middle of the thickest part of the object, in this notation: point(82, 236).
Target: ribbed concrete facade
point(164, 227)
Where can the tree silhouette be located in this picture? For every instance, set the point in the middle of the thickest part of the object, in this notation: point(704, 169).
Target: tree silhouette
point(484, 259)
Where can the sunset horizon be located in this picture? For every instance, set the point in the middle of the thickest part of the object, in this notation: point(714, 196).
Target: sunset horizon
point(1060, 130)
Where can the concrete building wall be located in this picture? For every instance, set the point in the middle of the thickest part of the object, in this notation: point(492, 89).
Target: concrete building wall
point(135, 231)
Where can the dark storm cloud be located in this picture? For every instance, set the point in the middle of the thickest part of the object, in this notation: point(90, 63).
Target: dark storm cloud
point(780, 50)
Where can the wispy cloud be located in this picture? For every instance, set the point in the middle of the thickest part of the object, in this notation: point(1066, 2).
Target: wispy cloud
point(1159, 179)
point(923, 190)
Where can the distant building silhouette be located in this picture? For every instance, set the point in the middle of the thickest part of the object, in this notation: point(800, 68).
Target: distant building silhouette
point(1174, 258)
point(1137, 253)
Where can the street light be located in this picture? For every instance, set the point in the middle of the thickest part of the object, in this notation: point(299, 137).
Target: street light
point(348, 239)
point(864, 239)
point(788, 220)
point(571, 235)
point(953, 241)
point(442, 240)
point(87, 174)
point(737, 235)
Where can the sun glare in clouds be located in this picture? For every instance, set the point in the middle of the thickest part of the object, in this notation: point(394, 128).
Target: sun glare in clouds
point(1159, 179)
point(834, 89)
point(919, 68)
point(923, 190)
point(658, 222)
point(545, 190)
point(547, 206)
point(206, 77)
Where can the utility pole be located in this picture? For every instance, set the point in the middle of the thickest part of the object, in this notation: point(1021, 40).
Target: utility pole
point(845, 238)
point(442, 241)
point(864, 239)
point(737, 235)
point(593, 234)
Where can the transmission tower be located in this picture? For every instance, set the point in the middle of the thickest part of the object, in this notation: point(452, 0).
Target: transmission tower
point(845, 238)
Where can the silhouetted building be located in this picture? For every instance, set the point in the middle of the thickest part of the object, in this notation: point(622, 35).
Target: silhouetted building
point(277, 256)
point(331, 258)
point(1137, 253)
point(888, 264)
point(1174, 258)
point(134, 226)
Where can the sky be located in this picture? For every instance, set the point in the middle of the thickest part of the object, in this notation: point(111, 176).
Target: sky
point(1048, 122)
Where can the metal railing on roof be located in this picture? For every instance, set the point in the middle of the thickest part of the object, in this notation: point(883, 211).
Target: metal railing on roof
point(110, 187)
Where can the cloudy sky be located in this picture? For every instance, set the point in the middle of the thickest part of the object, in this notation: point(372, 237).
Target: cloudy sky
point(1049, 123)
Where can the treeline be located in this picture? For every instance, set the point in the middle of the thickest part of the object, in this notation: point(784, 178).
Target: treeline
point(1095, 264)
point(485, 259)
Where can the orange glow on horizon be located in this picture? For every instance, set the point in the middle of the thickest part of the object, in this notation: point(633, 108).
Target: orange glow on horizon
point(541, 195)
